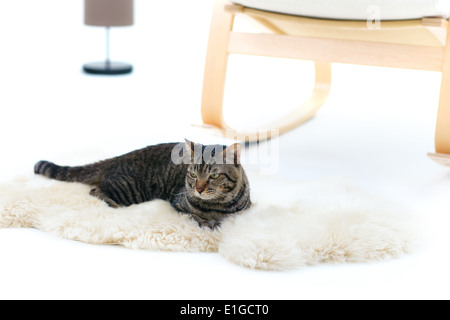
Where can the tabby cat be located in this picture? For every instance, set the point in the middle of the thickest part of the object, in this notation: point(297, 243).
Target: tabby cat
point(207, 182)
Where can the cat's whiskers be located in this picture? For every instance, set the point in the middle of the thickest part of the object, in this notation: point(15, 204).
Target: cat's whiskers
point(179, 194)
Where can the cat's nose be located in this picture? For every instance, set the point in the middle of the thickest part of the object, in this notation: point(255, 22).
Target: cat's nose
point(200, 190)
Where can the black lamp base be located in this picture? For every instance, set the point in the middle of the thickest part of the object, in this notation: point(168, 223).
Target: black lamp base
point(108, 68)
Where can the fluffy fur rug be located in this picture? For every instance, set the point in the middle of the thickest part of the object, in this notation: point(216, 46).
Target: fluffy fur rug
point(290, 225)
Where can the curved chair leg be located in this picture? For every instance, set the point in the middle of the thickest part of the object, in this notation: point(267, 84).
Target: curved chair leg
point(297, 117)
point(442, 155)
point(216, 65)
point(290, 121)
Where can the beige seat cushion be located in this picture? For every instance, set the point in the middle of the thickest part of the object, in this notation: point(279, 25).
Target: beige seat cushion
point(355, 9)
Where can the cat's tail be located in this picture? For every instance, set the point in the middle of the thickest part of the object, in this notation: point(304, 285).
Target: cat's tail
point(86, 174)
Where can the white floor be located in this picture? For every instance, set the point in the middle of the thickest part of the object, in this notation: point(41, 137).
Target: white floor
point(375, 129)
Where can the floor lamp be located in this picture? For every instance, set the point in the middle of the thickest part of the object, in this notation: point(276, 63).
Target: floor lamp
point(108, 13)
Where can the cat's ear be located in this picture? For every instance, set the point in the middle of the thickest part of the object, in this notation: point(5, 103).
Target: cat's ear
point(190, 145)
point(233, 154)
point(195, 151)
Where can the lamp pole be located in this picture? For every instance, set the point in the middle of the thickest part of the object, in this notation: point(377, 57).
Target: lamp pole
point(108, 58)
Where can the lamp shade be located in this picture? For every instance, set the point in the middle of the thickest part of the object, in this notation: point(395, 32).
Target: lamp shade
point(109, 13)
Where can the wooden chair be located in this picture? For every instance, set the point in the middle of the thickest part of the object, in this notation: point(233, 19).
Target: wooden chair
point(421, 44)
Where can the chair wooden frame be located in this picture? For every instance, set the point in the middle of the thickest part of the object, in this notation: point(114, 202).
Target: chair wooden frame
point(422, 44)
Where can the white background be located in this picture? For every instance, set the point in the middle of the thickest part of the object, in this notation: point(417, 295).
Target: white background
point(375, 130)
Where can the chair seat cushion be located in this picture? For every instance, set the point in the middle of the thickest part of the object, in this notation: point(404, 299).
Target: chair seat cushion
point(354, 9)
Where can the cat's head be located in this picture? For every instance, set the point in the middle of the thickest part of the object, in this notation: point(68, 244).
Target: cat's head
point(214, 173)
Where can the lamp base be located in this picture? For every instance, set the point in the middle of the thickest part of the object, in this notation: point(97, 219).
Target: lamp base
point(108, 68)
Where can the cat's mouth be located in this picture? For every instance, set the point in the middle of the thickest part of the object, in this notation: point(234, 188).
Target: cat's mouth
point(205, 195)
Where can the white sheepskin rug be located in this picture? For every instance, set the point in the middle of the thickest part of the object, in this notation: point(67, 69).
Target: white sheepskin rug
point(290, 225)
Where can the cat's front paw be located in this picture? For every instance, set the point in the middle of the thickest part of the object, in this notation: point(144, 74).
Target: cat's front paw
point(209, 223)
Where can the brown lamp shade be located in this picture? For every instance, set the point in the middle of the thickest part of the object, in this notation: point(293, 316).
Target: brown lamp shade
point(109, 13)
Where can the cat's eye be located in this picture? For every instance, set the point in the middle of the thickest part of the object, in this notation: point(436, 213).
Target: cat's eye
point(193, 175)
point(215, 176)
